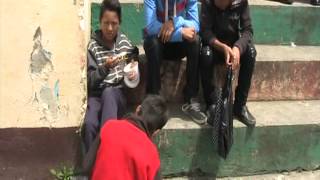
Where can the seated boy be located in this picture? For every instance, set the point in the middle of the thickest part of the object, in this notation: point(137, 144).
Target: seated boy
point(227, 33)
point(105, 71)
point(124, 149)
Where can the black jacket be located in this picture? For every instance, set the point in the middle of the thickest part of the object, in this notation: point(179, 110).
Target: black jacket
point(231, 26)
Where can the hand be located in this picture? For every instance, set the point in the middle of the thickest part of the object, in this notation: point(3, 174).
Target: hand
point(228, 54)
point(189, 33)
point(132, 75)
point(166, 31)
point(111, 61)
point(235, 58)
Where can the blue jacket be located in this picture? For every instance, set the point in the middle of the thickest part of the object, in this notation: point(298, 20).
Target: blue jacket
point(183, 12)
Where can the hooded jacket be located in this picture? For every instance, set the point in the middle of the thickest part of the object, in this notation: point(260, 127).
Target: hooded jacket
point(126, 152)
point(99, 76)
point(184, 13)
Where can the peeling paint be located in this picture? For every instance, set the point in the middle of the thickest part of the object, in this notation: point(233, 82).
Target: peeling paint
point(40, 58)
point(56, 90)
point(45, 98)
point(49, 102)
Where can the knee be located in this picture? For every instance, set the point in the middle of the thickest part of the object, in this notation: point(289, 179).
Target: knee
point(195, 43)
point(108, 94)
point(206, 56)
point(150, 43)
point(251, 52)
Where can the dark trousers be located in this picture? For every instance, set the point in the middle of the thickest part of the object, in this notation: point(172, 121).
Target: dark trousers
point(111, 105)
point(156, 51)
point(247, 62)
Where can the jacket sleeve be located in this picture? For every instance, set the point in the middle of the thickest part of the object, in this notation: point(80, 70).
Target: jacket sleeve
point(95, 73)
point(246, 29)
point(152, 26)
point(207, 23)
point(131, 50)
point(191, 19)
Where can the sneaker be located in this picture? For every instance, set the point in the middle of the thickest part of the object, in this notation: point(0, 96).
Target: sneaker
point(192, 109)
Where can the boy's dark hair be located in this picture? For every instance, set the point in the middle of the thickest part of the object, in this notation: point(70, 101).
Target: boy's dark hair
point(154, 112)
point(110, 5)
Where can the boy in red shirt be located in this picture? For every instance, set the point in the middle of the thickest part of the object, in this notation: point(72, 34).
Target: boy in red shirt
point(124, 150)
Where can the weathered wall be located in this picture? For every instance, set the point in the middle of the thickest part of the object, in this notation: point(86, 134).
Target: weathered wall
point(42, 55)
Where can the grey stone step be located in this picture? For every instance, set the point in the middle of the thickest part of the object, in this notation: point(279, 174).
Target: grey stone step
point(269, 113)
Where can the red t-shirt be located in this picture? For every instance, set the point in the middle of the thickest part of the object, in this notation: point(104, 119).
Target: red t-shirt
point(125, 153)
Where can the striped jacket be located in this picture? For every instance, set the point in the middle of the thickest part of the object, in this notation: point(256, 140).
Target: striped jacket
point(98, 75)
point(184, 13)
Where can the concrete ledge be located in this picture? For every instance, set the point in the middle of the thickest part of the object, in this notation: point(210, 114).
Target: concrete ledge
point(285, 139)
point(30, 153)
point(272, 113)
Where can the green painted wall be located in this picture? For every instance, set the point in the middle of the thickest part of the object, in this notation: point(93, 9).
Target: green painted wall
point(264, 150)
point(272, 24)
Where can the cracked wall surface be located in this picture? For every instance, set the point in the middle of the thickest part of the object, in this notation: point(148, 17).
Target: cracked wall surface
point(42, 63)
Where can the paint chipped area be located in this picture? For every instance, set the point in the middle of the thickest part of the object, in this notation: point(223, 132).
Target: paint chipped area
point(45, 95)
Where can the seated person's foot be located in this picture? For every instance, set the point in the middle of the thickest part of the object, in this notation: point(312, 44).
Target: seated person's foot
point(315, 2)
point(244, 116)
point(192, 109)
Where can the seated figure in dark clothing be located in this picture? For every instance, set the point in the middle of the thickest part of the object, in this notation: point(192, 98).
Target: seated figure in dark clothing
point(226, 32)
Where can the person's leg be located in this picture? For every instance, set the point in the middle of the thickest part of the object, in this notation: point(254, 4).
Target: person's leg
point(247, 63)
point(315, 2)
point(154, 52)
point(206, 73)
point(91, 121)
point(192, 53)
point(113, 104)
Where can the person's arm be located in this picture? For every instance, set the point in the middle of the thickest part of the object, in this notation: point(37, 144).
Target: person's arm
point(176, 35)
point(90, 157)
point(246, 29)
point(95, 73)
point(152, 26)
point(191, 19)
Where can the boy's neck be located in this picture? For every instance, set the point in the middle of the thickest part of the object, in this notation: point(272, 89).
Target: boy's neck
point(109, 44)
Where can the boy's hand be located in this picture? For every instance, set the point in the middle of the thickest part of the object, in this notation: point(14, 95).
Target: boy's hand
point(189, 33)
point(132, 75)
point(235, 58)
point(228, 54)
point(111, 61)
point(166, 31)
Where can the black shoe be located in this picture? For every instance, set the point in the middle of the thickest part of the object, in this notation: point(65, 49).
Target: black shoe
point(315, 2)
point(243, 115)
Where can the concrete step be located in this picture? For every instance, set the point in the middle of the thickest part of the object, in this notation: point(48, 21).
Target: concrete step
point(273, 23)
point(295, 175)
point(285, 139)
point(281, 73)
